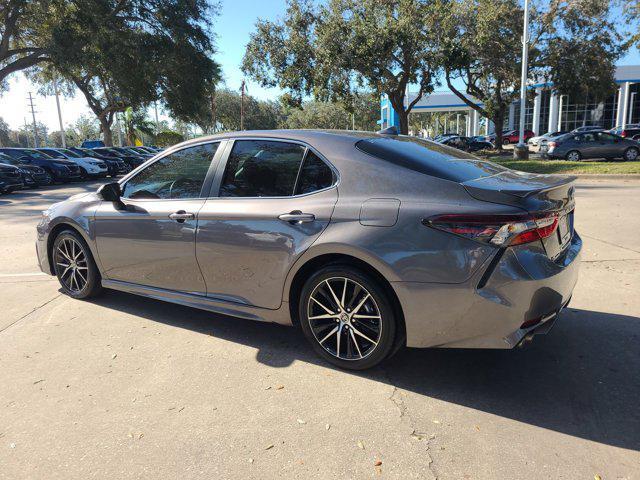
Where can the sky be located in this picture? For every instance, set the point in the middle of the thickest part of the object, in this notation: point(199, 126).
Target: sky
point(233, 27)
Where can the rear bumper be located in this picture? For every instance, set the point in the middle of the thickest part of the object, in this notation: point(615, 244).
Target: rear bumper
point(487, 311)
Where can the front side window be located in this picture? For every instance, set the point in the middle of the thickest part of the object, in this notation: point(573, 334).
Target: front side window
point(262, 168)
point(178, 175)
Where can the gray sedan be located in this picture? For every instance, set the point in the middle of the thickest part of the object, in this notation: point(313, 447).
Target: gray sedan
point(578, 146)
point(368, 242)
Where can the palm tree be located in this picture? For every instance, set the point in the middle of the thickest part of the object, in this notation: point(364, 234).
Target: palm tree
point(136, 125)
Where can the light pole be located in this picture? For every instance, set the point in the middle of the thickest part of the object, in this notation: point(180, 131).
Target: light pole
point(521, 149)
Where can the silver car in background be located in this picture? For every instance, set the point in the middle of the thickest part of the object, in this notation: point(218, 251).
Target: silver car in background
point(368, 242)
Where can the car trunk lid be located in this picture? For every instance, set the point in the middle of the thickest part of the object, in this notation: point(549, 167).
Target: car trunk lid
point(537, 194)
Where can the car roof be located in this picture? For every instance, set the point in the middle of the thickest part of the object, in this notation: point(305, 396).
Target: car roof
point(307, 136)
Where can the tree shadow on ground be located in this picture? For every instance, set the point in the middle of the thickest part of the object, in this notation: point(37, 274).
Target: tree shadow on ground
point(581, 379)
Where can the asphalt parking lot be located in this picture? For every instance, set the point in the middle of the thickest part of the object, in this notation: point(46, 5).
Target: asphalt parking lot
point(126, 387)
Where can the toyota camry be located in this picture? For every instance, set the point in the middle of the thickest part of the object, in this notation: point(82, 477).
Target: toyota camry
point(368, 242)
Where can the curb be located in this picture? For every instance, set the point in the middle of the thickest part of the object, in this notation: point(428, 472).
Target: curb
point(605, 176)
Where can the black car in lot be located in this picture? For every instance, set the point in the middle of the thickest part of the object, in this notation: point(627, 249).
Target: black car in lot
point(467, 144)
point(631, 130)
point(133, 161)
point(32, 175)
point(578, 146)
point(60, 170)
point(115, 166)
point(10, 178)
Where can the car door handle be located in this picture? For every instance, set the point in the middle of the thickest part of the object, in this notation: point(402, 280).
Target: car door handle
point(180, 216)
point(297, 217)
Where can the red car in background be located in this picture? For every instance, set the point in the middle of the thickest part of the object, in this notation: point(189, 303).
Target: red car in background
point(511, 136)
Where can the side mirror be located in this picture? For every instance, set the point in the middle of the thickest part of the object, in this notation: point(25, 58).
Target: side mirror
point(111, 192)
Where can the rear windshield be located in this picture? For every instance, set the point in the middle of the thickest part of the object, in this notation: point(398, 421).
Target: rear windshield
point(429, 158)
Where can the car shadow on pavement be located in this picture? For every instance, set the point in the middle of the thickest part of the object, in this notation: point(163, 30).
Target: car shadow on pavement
point(582, 379)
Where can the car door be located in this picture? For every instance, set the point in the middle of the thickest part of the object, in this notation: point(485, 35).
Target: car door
point(150, 239)
point(586, 144)
point(271, 200)
point(611, 146)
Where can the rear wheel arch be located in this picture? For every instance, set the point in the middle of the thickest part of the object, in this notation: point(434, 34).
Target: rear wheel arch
point(316, 263)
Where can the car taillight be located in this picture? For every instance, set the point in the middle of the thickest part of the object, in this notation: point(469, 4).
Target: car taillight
point(624, 133)
point(498, 230)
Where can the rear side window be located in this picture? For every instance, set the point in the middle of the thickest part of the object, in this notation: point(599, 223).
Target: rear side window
point(262, 168)
point(429, 158)
point(314, 175)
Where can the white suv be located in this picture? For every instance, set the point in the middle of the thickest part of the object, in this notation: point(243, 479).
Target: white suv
point(90, 167)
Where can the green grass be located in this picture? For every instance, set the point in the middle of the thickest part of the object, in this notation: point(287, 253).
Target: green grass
point(563, 166)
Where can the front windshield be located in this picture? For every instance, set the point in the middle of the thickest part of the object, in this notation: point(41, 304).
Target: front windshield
point(70, 153)
point(39, 155)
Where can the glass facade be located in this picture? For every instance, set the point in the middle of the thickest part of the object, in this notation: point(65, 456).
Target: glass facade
point(577, 112)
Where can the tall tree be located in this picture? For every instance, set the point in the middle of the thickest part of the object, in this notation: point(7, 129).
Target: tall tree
point(580, 45)
point(128, 53)
point(332, 50)
point(573, 43)
point(25, 33)
point(136, 125)
point(258, 114)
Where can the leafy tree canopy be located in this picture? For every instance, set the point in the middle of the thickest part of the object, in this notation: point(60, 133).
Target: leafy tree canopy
point(573, 43)
point(118, 53)
point(330, 51)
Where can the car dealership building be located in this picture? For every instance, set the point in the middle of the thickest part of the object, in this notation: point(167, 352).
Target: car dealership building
point(548, 112)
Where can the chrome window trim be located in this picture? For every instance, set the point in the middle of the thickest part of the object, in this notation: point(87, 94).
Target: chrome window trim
point(214, 194)
point(207, 179)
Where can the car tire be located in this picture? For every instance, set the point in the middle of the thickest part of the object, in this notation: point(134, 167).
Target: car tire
point(74, 266)
point(48, 179)
point(573, 156)
point(631, 154)
point(83, 174)
point(505, 141)
point(361, 331)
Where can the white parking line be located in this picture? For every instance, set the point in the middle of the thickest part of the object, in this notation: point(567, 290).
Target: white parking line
point(9, 275)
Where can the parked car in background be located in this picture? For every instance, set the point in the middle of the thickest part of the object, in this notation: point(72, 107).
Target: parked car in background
point(89, 167)
point(146, 149)
point(587, 128)
point(579, 146)
point(510, 136)
point(92, 144)
point(630, 130)
point(10, 178)
point(133, 161)
point(61, 170)
point(467, 144)
point(439, 138)
point(32, 175)
point(115, 166)
point(130, 151)
point(541, 140)
point(368, 242)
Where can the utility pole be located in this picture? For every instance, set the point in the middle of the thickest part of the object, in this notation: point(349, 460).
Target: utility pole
point(155, 107)
point(26, 131)
point(33, 114)
point(521, 150)
point(242, 86)
point(64, 137)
